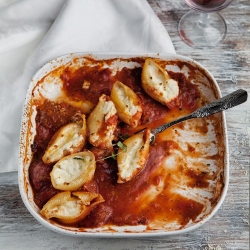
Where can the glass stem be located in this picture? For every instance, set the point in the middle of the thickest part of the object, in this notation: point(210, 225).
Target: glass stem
point(204, 19)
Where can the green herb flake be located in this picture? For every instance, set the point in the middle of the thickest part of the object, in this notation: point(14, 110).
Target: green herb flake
point(113, 155)
point(121, 145)
point(78, 158)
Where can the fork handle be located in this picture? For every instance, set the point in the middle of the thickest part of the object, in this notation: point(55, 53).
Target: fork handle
point(224, 103)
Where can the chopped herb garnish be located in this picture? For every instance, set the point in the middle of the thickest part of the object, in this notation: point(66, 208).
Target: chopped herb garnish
point(113, 155)
point(121, 145)
point(78, 158)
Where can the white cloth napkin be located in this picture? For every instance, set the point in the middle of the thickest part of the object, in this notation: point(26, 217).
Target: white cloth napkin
point(81, 26)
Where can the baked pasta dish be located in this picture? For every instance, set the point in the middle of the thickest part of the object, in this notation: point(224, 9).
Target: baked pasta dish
point(92, 164)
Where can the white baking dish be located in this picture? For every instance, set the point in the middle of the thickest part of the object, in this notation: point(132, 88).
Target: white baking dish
point(217, 188)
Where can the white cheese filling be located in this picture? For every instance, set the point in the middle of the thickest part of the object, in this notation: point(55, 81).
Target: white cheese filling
point(70, 208)
point(108, 110)
point(70, 169)
point(128, 103)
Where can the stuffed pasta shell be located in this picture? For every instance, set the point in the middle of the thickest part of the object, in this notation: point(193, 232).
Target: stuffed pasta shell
point(127, 103)
point(102, 123)
point(67, 140)
point(133, 158)
point(157, 83)
point(71, 207)
point(72, 171)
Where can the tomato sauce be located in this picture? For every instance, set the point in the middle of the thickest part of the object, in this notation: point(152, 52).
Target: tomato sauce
point(188, 96)
point(123, 204)
point(100, 79)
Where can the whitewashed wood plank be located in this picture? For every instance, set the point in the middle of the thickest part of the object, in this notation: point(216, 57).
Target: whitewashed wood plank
point(229, 228)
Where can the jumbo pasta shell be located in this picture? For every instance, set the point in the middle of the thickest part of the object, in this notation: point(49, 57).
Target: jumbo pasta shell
point(133, 158)
point(102, 123)
point(157, 83)
point(127, 103)
point(72, 171)
point(67, 140)
point(70, 207)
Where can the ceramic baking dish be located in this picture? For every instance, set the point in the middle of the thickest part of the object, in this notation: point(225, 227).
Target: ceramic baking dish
point(195, 173)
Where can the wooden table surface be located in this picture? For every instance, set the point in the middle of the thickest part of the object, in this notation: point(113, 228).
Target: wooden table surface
point(229, 228)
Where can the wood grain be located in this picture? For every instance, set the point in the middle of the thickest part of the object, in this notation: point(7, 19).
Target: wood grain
point(229, 228)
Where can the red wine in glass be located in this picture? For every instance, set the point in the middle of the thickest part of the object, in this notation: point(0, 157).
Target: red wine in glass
point(207, 3)
point(203, 27)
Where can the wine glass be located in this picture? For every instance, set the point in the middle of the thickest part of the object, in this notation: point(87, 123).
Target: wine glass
point(203, 27)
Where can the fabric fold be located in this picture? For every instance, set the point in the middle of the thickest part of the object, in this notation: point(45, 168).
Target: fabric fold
point(81, 26)
point(23, 21)
point(104, 25)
